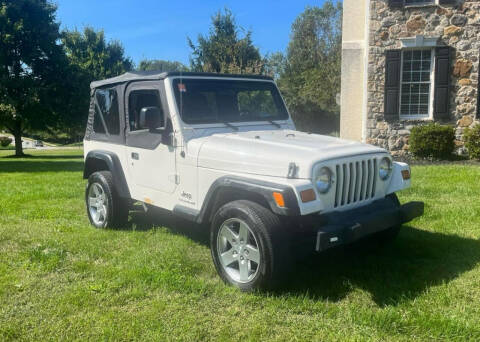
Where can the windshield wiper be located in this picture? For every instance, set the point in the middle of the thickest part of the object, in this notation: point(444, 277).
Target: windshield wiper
point(228, 124)
point(275, 123)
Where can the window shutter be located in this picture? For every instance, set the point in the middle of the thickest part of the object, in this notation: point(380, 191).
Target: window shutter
point(447, 2)
point(395, 3)
point(441, 102)
point(392, 84)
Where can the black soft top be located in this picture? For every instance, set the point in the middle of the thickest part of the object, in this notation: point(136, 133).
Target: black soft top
point(155, 75)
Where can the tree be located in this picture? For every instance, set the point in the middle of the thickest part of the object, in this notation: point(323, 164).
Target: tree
point(161, 65)
point(29, 60)
point(90, 51)
point(310, 75)
point(223, 50)
point(90, 58)
point(275, 65)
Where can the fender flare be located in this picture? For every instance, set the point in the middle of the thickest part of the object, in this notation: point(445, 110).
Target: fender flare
point(113, 165)
point(257, 187)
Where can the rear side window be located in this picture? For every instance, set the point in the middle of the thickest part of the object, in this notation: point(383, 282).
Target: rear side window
point(98, 123)
point(139, 99)
point(107, 118)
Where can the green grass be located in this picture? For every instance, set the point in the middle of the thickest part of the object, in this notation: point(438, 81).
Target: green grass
point(76, 144)
point(61, 279)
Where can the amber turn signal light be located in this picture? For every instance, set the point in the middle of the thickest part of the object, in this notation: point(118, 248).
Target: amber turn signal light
point(278, 197)
point(406, 174)
point(307, 195)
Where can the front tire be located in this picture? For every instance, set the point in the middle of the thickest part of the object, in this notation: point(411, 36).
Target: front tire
point(249, 246)
point(105, 209)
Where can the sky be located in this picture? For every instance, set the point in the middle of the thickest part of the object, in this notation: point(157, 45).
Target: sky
point(158, 29)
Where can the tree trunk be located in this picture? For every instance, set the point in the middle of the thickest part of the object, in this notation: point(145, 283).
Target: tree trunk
point(18, 144)
point(17, 133)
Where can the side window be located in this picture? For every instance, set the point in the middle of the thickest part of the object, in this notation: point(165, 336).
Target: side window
point(106, 112)
point(139, 99)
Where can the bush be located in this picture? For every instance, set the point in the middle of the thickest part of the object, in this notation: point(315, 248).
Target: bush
point(432, 141)
point(472, 142)
point(5, 141)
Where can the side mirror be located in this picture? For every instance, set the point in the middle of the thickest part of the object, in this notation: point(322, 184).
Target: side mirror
point(151, 118)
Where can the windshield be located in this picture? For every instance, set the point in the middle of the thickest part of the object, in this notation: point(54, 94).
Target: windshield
point(210, 101)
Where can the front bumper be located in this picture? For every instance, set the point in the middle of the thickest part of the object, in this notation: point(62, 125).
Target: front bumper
point(340, 228)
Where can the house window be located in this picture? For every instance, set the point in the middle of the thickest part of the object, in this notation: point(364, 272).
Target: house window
point(416, 84)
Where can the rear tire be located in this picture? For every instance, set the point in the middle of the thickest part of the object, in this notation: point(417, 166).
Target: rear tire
point(105, 208)
point(249, 246)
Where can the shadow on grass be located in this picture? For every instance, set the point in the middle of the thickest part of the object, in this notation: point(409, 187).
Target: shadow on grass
point(54, 157)
point(33, 165)
point(41, 156)
point(156, 217)
point(392, 274)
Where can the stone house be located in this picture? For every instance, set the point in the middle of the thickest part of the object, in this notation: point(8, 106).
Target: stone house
point(405, 63)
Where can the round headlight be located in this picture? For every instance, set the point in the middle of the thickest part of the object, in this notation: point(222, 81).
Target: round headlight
point(323, 180)
point(385, 168)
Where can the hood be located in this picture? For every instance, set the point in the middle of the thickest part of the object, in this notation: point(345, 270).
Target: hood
point(270, 152)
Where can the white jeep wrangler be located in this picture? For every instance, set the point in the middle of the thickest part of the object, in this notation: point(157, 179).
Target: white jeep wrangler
point(222, 150)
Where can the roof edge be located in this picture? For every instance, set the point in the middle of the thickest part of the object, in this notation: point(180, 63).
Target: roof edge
point(155, 75)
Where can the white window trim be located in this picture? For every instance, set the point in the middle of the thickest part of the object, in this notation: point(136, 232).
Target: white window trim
point(426, 3)
point(419, 41)
point(432, 89)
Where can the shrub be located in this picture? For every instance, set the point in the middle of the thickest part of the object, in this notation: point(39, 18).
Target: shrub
point(5, 141)
point(472, 142)
point(432, 141)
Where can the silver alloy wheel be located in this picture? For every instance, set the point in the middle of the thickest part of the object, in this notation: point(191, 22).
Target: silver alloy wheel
point(238, 250)
point(97, 204)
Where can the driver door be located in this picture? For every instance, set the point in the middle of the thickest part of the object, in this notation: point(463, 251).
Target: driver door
point(151, 158)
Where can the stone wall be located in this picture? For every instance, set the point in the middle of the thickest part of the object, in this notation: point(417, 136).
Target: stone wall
point(457, 26)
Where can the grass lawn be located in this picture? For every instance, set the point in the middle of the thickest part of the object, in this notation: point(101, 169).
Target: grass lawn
point(61, 279)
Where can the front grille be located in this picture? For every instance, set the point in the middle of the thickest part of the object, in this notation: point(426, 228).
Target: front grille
point(355, 181)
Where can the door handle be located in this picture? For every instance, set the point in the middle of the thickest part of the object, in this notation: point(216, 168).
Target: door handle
point(135, 156)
